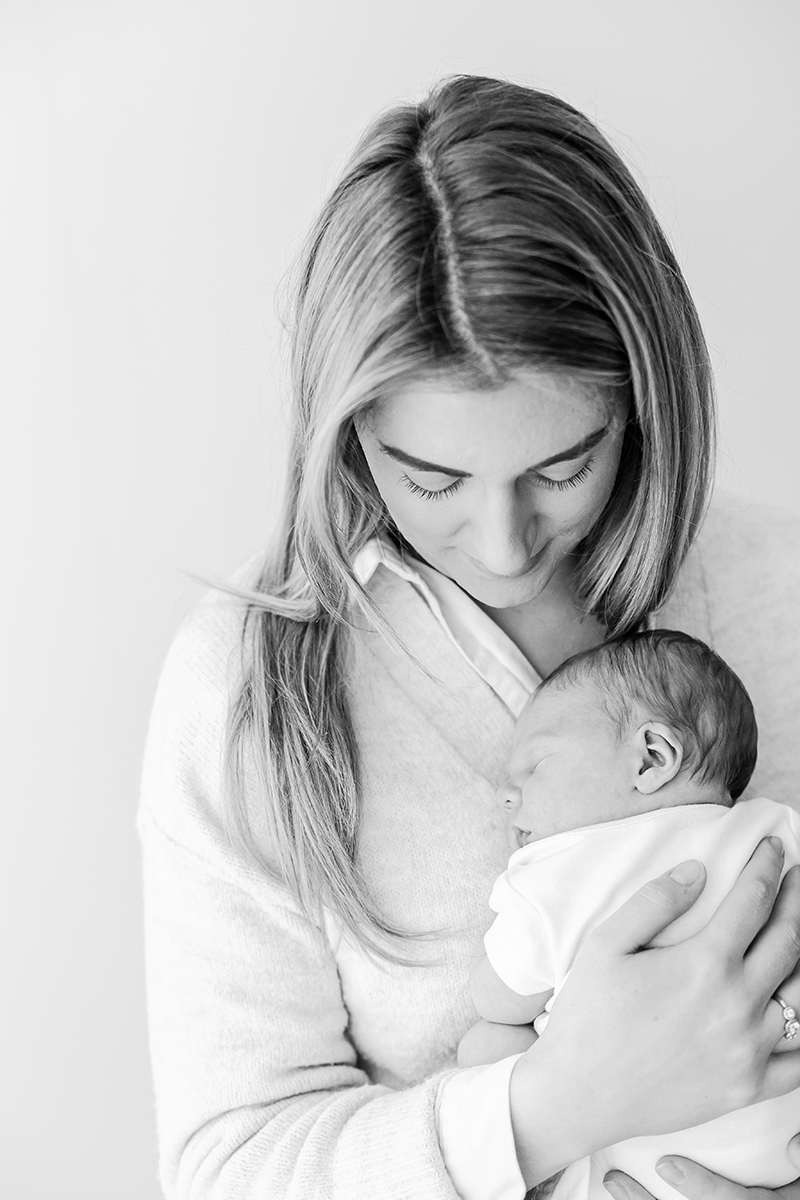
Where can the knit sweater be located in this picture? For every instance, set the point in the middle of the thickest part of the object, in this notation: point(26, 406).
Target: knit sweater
point(285, 1069)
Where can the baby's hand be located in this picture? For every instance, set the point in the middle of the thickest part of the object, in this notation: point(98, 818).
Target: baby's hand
point(489, 1042)
point(496, 1001)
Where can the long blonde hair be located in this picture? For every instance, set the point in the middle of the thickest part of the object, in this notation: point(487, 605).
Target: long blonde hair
point(489, 227)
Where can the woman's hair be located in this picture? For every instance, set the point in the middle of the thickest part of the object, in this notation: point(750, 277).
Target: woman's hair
point(667, 676)
point(489, 228)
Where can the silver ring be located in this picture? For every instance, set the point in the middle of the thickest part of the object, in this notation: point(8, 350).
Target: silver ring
point(791, 1025)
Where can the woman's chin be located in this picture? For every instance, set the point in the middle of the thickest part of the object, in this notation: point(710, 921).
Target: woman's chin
point(504, 593)
point(499, 591)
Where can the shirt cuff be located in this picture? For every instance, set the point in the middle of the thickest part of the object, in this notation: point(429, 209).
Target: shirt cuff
point(473, 1121)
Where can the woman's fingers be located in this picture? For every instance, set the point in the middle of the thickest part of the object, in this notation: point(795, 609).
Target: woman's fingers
point(622, 1187)
point(782, 1075)
point(652, 908)
point(748, 904)
point(778, 1022)
point(696, 1183)
point(775, 950)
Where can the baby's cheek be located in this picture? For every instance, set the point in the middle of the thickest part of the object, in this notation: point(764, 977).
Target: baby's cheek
point(574, 807)
point(551, 816)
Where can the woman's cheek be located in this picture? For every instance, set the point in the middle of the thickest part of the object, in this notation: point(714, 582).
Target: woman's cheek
point(579, 510)
point(416, 515)
point(399, 501)
point(573, 508)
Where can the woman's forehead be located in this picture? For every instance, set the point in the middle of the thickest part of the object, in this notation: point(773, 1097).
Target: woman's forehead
point(527, 419)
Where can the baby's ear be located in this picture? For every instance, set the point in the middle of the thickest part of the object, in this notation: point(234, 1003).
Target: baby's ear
point(659, 755)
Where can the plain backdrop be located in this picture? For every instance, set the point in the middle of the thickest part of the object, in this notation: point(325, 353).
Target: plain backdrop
point(159, 165)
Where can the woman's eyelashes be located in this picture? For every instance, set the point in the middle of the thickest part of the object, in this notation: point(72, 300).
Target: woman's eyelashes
point(571, 482)
point(540, 481)
point(429, 494)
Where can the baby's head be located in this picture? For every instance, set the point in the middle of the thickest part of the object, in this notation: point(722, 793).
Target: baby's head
point(651, 720)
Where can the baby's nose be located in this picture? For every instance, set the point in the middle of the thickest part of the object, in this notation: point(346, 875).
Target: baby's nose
point(508, 795)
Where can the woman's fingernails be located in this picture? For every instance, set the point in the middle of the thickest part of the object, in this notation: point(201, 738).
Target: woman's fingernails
point(687, 872)
point(668, 1169)
point(777, 845)
point(616, 1188)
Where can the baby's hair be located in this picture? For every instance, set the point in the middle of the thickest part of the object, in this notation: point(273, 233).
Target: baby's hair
point(680, 681)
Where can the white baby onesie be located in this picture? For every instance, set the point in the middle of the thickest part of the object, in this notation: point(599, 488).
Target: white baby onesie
point(555, 891)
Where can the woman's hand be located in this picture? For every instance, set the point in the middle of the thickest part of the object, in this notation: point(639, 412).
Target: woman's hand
point(648, 1040)
point(696, 1183)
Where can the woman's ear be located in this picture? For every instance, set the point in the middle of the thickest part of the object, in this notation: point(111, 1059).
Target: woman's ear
point(659, 755)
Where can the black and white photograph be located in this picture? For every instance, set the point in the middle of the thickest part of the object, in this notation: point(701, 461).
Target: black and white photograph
point(402, 538)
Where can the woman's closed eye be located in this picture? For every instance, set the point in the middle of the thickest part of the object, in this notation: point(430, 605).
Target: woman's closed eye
point(571, 481)
point(431, 493)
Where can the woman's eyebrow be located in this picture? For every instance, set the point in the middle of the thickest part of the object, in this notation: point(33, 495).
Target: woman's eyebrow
point(419, 464)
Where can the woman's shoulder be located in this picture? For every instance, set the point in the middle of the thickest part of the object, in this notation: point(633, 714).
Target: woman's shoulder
point(205, 656)
point(182, 778)
point(744, 566)
point(739, 588)
point(741, 585)
point(747, 561)
point(746, 541)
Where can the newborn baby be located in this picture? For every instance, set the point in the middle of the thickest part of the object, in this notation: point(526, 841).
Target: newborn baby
point(627, 760)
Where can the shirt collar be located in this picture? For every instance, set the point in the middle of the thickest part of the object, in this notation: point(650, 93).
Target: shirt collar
point(490, 652)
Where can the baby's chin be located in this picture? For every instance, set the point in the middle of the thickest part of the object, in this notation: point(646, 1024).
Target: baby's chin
point(523, 837)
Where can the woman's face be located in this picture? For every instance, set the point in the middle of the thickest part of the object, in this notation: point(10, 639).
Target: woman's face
point(495, 488)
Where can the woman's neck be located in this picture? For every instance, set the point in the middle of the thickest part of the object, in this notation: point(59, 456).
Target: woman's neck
point(551, 627)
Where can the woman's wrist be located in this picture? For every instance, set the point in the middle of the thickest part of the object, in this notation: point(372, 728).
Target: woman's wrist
point(547, 1135)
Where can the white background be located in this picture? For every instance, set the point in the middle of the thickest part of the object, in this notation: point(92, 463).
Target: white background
point(159, 164)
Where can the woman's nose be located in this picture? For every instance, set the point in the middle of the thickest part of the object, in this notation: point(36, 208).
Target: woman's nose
point(506, 534)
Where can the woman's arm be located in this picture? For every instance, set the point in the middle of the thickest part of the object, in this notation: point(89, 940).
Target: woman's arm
point(259, 1089)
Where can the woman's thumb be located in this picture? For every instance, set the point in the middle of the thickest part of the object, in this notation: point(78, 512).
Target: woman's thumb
point(652, 908)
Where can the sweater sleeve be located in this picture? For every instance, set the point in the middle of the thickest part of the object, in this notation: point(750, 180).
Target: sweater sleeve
point(259, 1092)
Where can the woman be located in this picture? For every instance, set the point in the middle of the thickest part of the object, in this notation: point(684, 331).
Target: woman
point(502, 455)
